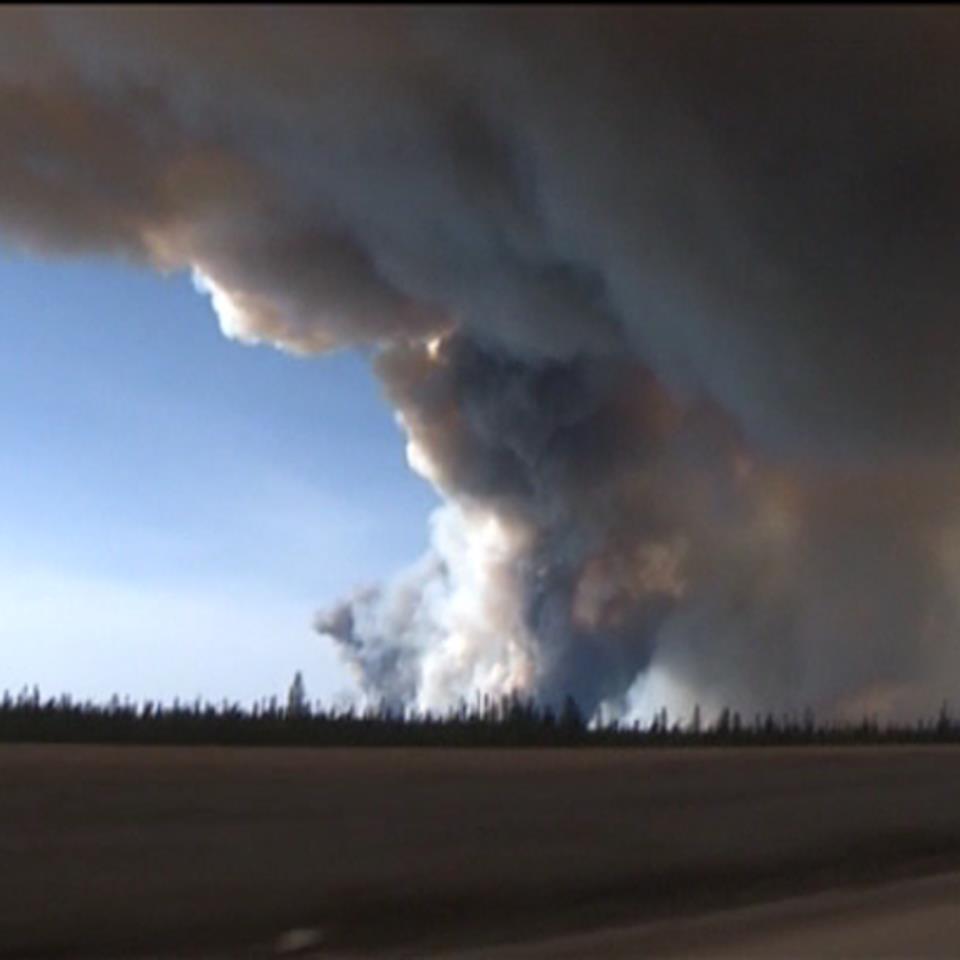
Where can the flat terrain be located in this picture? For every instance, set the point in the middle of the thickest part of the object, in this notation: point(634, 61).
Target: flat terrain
point(120, 851)
point(912, 919)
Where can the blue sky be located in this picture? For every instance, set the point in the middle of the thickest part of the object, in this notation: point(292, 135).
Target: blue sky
point(173, 505)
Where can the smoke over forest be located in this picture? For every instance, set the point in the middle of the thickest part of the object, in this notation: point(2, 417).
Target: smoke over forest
point(664, 300)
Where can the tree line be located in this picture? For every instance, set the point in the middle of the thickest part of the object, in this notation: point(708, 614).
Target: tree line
point(489, 722)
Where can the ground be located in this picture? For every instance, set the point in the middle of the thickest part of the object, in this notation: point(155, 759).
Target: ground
point(180, 852)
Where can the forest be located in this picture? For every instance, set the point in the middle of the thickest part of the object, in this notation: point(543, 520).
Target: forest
point(508, 721)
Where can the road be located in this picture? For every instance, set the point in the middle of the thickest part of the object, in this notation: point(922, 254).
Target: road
point(915, 919)
point(122, 851)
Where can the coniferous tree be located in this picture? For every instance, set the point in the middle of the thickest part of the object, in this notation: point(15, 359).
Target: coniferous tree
point(696, 723)
point(571, 719)
point(297, 704)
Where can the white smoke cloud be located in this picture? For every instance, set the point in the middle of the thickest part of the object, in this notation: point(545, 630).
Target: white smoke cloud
point(664, 301)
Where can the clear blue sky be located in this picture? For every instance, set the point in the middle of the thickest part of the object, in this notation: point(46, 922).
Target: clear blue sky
point(173, 505)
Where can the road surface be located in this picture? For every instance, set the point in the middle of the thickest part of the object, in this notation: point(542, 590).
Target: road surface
point(137, 851)
point(915, 919)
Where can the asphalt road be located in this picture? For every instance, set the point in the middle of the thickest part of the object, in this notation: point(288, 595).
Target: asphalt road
point(911, 920)
point(130, 851)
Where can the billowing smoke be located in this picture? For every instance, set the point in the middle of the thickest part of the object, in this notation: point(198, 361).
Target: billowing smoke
point(664, 300)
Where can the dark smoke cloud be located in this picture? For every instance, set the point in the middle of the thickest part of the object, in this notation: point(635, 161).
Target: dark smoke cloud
point(664, 300)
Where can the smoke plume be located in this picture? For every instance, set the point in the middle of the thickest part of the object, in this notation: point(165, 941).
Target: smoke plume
point(664, 300)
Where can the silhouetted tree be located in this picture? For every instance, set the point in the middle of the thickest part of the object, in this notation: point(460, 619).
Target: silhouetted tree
point(723, 722)
point(943, 720)
point(503, 721)
point(297, 705)
point(695, 723)
point(572, 724)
